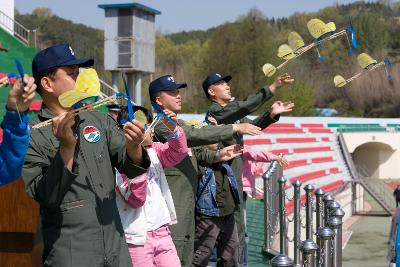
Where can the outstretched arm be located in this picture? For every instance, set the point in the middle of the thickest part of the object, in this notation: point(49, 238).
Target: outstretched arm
point(237, 110)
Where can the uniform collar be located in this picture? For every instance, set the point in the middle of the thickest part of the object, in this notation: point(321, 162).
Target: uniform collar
point(45, 113)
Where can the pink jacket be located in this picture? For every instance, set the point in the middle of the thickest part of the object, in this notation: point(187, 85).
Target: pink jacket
point(253, 161)
point(133, 191)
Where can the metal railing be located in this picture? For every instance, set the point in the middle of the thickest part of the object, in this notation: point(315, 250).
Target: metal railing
point(378, 187)
point(373, 186)
point(327, 250)
point(18, 30)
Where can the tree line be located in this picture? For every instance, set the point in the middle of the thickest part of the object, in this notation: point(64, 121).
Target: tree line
point(240, 48)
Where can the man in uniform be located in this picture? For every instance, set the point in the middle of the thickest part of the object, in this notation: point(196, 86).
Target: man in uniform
point(68, 170)
point(225, 111)
point(183, 178)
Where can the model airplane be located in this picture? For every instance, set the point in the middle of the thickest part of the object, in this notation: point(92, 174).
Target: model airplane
point(367, 63)
point(321, 33)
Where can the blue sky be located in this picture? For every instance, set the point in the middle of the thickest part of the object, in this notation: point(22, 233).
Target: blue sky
point(178, 15)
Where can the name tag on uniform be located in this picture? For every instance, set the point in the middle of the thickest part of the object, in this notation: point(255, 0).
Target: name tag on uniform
point(91, 134)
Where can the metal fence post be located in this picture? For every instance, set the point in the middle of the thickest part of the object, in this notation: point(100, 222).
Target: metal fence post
point(324, 239)
point(309, 211)
point(267, 211)
point(308, 249)
point(330, 207)
point(335, 223)
point(296, 223)
point(319, 208)
point(327, 198)
point(282, 260)
point(282, 218)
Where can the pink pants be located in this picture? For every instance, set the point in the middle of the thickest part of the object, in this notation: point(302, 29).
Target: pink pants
point(159, 250)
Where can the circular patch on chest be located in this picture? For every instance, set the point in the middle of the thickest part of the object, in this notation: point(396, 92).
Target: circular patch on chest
point(91, 134)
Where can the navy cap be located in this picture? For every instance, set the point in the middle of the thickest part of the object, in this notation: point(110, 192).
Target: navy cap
point(164, 83)
point(214, 78)
point(57, 56)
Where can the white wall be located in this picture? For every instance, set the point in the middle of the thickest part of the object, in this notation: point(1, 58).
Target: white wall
point(110, 37)
point(378, 152)
point(7, 7)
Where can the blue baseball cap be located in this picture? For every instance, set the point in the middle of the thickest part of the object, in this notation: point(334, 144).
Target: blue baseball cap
point(164, 83)
point(214, 78)
point(57, 56)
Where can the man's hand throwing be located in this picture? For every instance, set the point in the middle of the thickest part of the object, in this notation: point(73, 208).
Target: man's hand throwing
point(280, 81)
point(246, 128)
point(280, 107)
point(228, 153)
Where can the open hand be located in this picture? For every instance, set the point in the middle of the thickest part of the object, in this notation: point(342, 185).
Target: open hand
point(279, 107)
point(230, 152)
point(280, 81)
point(246, 128)
point(281, 161)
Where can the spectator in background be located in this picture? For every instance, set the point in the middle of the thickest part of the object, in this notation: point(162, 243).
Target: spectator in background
point(396, 194)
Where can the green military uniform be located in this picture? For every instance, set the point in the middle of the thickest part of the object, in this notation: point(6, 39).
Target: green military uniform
point(183, 178)
point(235, 112)
point(80, 220)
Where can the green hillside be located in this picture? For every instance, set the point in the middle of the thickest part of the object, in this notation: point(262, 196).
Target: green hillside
point(242, 47)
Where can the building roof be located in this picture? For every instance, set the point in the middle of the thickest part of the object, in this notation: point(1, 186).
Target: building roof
point(132, 5)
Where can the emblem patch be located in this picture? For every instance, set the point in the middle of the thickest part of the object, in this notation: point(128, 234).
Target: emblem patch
point(91, 134)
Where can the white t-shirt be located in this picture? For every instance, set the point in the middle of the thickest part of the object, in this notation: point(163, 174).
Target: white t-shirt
point(155, 207)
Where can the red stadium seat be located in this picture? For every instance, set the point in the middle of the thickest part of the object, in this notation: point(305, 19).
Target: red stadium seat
point(296, 140)
point(311, 149)
point(296, 163)
point(257, 141)
point(282, 130)
point(321, 159)
point(308, 176)
point(279, 151)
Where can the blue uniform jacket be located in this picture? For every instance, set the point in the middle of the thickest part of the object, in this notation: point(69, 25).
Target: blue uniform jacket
point(14, 146)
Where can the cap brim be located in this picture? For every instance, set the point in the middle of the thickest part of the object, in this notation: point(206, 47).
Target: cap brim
point(83, 62)
point(176, 86)
point(226, 78)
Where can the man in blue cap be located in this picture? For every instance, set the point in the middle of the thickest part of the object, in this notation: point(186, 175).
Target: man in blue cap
point(15, 130)
point(69, 170)
point(225, 109)
point(183, 178)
